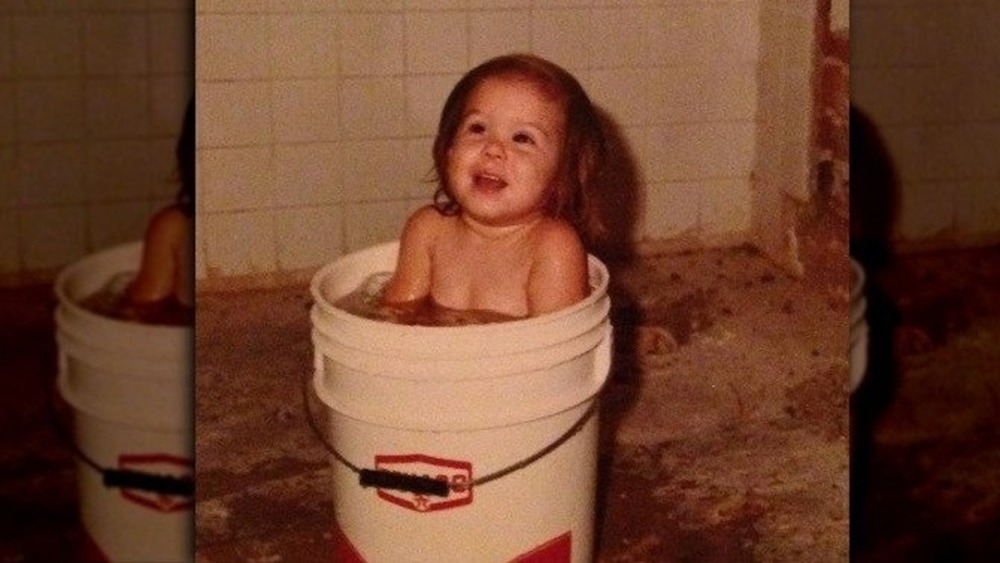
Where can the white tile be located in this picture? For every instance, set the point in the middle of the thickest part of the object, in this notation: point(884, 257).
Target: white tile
point(52, 236)
point(115, 44)
point(308, 110)
point(606, 87)
point(118, 170)
point(367, 224)
point(926, 209)
point(309, 174)
point(673, 94)
point(7, 112)
point(498, 4)
point(494, 33)
point(622, 38)
point(563, 36)
point(200, 245)
point(727, 93)
point(436, 42)
point(372, 44)
point(163, 172)
point(375, 170)
point(425, 97)
point(304, 45)
point(168, 97)
point(420, 169)
point(233, 46)
point(669, 210)
point(47, 45)
point(977, 208)
point(228, 6)
point(49, 110)
point(726, 149)
point(673, 35)
point(52, 174)
point(184, 6)
point(974, 94)
point(10, 260)
point(673, 153)
point(113, 6)
point(299, 6)
point(117, 108)
point(369, 6)
point(233, 113)
point(6, 46)
point(308, 237)
point(731, 31)
point(725, 207)
point(238, 243)
point(433, 4)
point(171, 42)
point(8, 178)
point(373, 107)
point(117, 223)
point(237, 178)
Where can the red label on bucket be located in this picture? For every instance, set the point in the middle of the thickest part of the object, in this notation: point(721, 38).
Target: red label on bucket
point(157, 464)
point(458, 474)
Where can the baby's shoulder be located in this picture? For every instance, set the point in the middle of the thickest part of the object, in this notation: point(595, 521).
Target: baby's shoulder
point(169, 220)
point(425, 224)
point(557, 235)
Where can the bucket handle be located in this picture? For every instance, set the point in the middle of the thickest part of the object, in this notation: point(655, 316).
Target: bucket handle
point(117, 478)
point(383, 479)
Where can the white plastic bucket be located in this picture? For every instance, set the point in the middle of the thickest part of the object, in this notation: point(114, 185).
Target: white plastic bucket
point(130, 386)
point(858, 326)
point(460, 404)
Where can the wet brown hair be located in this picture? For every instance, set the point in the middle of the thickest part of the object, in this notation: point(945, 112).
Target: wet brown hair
point(582, 154)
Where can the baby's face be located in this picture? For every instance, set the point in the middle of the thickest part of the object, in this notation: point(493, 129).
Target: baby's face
point(504, 159)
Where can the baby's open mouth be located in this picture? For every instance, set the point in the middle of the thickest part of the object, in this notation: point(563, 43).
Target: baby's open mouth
point(489, 182)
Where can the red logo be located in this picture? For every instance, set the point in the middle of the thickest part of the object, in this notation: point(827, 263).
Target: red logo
point(458, 474)
point(157, 464)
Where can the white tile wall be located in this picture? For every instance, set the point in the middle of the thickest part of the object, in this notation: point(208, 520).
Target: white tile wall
point(91, 99)
point(316, 120)
point(928, 74)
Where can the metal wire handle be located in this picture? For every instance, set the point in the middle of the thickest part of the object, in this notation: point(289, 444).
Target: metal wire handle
point(426, 485)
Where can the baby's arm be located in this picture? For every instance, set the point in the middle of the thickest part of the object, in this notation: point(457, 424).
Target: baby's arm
point(412, 279)
point(158, 270)
point(559, 276)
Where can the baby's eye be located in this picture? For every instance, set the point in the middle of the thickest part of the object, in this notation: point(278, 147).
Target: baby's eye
point(475, 128)
point(523, 138)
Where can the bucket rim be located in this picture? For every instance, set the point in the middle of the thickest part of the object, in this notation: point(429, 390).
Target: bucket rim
point(73, 308)
point(326, 306)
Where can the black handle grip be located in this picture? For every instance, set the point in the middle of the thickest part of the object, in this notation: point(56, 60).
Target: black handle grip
point(166, 484)
point(403, 482)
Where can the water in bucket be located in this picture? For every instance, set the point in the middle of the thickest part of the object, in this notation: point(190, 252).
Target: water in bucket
point(111, 301)
point(366, 302)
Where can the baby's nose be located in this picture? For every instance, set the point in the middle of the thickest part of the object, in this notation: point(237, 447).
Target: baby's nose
point(494, 148)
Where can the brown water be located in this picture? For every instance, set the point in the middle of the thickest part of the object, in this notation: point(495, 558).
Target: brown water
point(366, 301)
point(110, 301)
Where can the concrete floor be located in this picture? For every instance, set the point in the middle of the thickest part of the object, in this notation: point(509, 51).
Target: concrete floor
point(927, 420)
point(38, 506)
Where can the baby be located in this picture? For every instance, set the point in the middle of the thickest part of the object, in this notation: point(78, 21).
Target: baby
point(516, 156)
point(163, 290)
